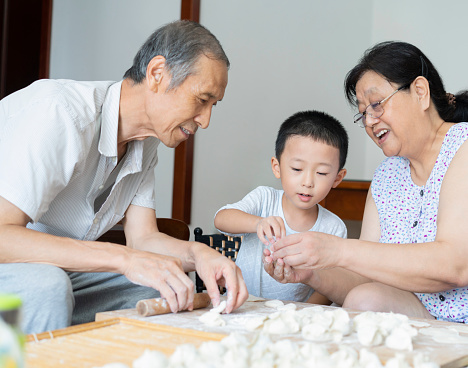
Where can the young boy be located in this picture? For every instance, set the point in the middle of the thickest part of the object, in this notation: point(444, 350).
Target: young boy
point(311, 150)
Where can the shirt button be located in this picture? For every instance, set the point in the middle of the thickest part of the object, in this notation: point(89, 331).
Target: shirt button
point(101, 186)
point(442, 298)
point(96, 221)
point(415, 224)
point(422, 192)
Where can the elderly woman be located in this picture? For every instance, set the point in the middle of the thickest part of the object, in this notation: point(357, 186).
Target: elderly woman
point(412, 256)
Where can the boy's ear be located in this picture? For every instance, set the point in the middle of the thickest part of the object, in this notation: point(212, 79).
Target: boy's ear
point(339, 177)
point(275, 166)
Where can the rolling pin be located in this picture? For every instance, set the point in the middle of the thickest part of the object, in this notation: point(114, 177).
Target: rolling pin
point(155, 306)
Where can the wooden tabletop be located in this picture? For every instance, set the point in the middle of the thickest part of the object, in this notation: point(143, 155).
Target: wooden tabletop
point(124, 335)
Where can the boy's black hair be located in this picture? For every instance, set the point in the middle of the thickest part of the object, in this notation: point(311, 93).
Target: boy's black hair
point(316, 125)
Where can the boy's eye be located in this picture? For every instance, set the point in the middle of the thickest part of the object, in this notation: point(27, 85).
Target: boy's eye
point(322, 173)
point(295, 169)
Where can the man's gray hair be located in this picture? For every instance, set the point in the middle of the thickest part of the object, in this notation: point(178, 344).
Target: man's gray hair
point(181, 43)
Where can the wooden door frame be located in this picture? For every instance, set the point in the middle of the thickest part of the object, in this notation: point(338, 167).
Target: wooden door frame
point(183, 156)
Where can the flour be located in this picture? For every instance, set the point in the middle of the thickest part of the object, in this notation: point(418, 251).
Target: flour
point(444, 335)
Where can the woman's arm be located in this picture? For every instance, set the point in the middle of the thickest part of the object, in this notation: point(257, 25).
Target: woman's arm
point(424, 267)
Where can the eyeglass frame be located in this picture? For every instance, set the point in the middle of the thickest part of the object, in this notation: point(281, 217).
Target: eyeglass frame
point(358, 118)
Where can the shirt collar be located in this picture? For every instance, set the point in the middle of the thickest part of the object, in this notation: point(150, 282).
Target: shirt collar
point(110, 121)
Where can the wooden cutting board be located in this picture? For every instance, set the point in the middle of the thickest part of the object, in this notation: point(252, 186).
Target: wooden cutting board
point(114, 340)
point(439, 352)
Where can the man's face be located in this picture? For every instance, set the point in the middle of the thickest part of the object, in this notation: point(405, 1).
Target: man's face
point(178, 113)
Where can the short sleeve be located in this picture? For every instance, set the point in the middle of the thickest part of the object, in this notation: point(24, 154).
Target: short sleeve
point(41, 147)
point(256, 203)
point(145, 195)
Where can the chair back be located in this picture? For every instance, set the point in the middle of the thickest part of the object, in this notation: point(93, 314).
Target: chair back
point(172, 227)
point(226, 245)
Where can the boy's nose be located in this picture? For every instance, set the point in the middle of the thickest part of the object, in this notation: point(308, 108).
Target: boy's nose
point(308, 181)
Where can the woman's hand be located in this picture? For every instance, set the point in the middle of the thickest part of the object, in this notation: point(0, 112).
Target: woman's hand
point(284, 273)
point(308, 250)
point(270, 229)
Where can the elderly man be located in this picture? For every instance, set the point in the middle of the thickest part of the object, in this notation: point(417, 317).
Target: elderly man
point(77, 157)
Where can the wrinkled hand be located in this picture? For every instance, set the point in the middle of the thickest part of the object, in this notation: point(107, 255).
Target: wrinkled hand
point(163, 273)
point(216, 269)
point(271, 229)
point(308, 250)
point(284, 273)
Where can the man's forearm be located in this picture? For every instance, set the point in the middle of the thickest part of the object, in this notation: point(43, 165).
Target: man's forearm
point(22, 245)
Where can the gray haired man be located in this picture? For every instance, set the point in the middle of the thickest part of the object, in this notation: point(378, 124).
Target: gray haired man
point(78, 157)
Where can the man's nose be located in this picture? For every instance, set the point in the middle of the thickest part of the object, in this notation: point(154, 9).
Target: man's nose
point(203, 119)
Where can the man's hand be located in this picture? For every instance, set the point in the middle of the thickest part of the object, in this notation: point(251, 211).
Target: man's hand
point(215, 269)
point(271, 229)
point(163, 273)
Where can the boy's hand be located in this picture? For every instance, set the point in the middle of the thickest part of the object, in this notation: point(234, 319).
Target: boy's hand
point(270, 229)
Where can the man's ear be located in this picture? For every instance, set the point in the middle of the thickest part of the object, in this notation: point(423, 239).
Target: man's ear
point(421, 86)
point(155, 72)
point(275, 166)
point(339, 178)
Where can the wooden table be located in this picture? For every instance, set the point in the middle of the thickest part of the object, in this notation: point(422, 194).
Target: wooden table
point(122, 336)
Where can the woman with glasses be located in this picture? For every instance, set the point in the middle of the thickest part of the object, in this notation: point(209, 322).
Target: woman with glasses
point(412, 256)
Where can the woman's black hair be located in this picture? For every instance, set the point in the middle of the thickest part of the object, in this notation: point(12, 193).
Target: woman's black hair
point(401, 63)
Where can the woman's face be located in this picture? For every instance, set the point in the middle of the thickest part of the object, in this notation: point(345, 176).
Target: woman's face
point(393, 130)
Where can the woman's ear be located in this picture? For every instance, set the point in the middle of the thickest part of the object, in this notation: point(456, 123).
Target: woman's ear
point(339, 178)
point(421, 86)
point(275, 166)
point(155, 72)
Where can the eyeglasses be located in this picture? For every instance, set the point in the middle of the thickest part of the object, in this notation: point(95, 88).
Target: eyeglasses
point(374, 110)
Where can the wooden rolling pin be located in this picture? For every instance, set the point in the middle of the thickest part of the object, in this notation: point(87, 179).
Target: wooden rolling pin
point(152, 307)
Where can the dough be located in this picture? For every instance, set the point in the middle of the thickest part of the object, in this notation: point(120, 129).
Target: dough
point(253, 298)
point(254, 322)
point(290, 306)
point(236, 350)
point(220, 308)
point(274, 303)
point(151, 359)
point(213, 317)
point(393, 329)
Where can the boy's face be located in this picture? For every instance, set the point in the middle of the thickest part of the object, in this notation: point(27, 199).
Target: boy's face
point(308, 169)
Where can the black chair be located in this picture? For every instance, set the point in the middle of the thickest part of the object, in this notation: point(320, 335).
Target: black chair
point(226, 245)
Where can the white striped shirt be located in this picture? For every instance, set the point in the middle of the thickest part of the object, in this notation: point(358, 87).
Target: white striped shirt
point(58, 147)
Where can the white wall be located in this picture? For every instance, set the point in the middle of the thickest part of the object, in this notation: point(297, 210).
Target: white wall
point(438, 29)
point(285, 56)
point(97, 40)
